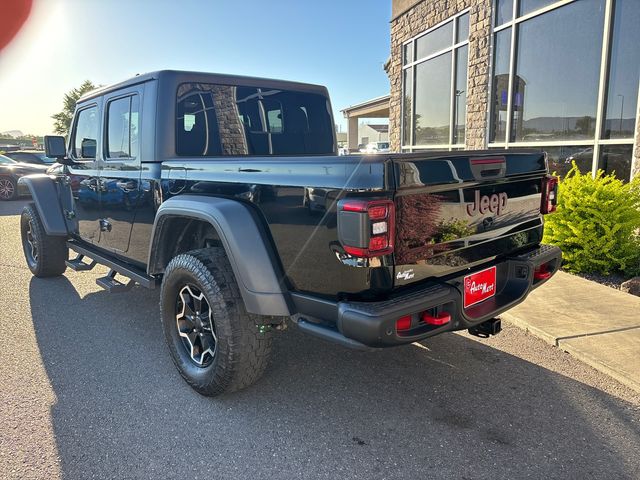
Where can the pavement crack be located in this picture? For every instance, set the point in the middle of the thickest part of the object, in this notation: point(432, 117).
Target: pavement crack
point(592, 334)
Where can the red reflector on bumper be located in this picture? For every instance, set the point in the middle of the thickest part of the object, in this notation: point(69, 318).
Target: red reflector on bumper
point(542, 272)
point(441, 319)
point(403, 323)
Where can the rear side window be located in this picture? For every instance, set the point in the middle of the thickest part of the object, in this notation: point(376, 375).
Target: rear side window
point(245, 120)
point(197, 131)
point(122, 131)
point(85, 137)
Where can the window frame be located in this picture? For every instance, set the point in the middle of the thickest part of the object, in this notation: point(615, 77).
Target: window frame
point(411, 66)
point(597, 142)
point(105, 140)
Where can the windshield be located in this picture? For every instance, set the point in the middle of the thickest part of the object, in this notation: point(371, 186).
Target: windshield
point(6, 160)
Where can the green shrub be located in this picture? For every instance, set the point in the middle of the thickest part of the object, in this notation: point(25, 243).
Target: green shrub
point(596, 223)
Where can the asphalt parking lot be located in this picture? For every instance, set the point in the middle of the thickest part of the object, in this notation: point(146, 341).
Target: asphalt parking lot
point(87, 390)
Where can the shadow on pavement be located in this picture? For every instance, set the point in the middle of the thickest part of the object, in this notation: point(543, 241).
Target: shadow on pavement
point(12, 207)
point(457, 410)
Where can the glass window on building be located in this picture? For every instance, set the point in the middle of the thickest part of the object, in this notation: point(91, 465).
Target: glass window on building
point(528, 6)
point(624, 71)
point(407, 105)
point(555, 89)
point(504, 11)
point(431, 117)
point(550, 85)
point(434, 86)
point(501, 46)
point(616, 158)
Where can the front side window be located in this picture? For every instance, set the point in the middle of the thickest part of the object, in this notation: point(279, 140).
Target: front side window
point(122, 132)
point(434, 86)
point(221, 120)
point(85, 137)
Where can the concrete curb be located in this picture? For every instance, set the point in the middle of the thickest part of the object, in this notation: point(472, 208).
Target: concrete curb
point(600, 365)
point(585, 355)
point(527, 327)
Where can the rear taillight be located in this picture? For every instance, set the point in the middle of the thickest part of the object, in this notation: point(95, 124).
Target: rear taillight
point(366, 228)
point(549, 194)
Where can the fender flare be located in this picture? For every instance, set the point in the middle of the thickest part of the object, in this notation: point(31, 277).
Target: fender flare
point(45, 195)
point(252, 257)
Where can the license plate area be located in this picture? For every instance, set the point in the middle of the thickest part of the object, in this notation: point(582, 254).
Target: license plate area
point(479, 286)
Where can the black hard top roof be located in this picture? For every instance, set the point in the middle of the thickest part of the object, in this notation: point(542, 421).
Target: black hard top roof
point(178, 76)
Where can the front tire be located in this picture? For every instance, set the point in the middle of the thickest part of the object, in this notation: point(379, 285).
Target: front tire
point(45, 254)
point(214, 342)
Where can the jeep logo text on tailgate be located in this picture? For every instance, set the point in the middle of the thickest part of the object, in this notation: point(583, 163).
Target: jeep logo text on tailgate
point(495, 203)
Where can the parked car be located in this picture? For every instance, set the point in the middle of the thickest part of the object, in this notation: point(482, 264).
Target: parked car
point(10, 172)
point(35, 157)
point(406, 246)
point(377, 147)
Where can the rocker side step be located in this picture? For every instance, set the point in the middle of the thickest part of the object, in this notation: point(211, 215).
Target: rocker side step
point(79, 265)
point(109, 283)
point(112, 285)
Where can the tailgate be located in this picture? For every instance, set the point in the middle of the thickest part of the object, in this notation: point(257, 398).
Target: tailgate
point(458, 210)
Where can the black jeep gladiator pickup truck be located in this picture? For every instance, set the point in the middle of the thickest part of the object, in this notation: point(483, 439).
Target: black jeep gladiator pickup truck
point(228, 194)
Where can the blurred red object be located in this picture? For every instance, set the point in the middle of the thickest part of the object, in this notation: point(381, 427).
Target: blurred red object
point(13, 13)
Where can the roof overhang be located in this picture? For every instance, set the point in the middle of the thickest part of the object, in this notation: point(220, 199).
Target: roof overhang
point(374, 108)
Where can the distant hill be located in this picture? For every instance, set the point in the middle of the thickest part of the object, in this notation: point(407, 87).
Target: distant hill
point(12, 133)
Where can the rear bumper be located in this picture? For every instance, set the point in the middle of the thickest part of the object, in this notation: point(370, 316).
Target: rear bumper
point(373, 324)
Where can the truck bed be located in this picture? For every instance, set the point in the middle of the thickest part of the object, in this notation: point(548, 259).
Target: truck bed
point(438, 232)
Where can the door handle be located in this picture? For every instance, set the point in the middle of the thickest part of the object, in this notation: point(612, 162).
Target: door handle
point(105, 225)
point(127, 185)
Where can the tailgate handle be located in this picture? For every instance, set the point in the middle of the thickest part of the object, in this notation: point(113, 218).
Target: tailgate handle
point(488, 167)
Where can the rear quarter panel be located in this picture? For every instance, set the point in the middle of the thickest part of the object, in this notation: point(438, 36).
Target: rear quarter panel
point(296, 197)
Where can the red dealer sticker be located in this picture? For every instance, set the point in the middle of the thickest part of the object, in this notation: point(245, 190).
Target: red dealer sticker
point(479, 286)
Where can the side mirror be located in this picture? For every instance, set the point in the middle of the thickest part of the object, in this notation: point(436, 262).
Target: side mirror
point(54, 146)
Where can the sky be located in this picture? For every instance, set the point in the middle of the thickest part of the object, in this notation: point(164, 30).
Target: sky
point(341, 44)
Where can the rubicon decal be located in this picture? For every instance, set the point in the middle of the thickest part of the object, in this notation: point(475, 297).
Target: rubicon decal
point(495, 203)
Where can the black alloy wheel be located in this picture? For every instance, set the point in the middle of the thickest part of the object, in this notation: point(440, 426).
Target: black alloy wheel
point(194, 321)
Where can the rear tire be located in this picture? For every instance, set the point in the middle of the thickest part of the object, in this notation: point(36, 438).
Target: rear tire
point(45, 254)
point(215, 343)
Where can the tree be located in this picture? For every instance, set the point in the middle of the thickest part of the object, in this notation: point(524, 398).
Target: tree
point(583, 125)
point(63, 119)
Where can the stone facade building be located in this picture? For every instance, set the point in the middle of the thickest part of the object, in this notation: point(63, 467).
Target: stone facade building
point(556, 75)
